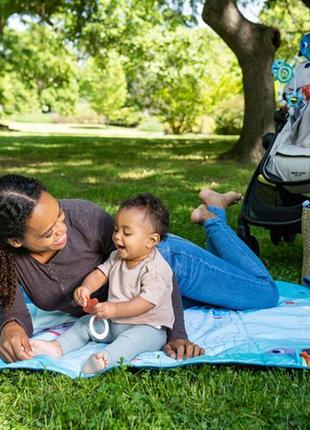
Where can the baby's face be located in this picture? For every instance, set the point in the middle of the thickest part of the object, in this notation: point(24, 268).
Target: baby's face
point(133, 235)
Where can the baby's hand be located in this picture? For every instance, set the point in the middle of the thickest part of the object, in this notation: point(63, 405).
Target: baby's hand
point(105, 310)
point(81, 296)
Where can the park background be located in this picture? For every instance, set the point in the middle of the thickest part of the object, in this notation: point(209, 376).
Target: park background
point(100, 99)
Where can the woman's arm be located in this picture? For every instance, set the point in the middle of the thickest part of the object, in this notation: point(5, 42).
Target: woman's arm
point(16, 328)
point(17, 312)
point(178, 344)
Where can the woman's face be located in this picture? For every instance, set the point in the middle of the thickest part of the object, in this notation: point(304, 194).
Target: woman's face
point(45, 228)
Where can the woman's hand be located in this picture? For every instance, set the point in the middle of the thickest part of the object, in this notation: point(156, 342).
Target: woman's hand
point(182, 348)
point(14, 343)
point(81, 295)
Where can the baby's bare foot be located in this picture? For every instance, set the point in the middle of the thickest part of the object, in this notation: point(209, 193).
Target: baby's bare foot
point(201, 214)
point(51, 348)
point(96, 363)
point(212, 198)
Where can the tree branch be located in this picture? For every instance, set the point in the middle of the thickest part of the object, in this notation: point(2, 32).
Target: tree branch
point(227, 21)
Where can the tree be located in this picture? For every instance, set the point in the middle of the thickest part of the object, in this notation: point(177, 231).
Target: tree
point(42, 9)
point(104, 85)
point(15, 96)
point(169, 82)
point(45, 68)
point(95, 25)
point(177, 80)
point(255, 46)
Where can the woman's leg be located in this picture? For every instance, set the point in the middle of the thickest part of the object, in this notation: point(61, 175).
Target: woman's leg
point(234, 278)
point(224, 240)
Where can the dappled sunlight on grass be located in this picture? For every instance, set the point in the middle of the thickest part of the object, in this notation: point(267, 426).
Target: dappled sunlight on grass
point(190, 157)
point(136, 174)
point(78, 163)
point(90, 180)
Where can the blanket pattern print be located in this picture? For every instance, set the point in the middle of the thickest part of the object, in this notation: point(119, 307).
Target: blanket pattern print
point(277, 336)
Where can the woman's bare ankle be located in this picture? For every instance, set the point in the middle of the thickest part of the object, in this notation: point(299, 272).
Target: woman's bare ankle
point(212, 198)
point(201, 214)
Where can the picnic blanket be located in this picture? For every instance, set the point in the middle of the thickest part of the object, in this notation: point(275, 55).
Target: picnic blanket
point(277, 336)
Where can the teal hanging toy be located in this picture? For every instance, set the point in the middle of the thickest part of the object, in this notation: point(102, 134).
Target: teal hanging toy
point(284, 73)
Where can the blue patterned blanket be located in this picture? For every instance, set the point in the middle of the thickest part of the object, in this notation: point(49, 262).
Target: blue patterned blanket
point(270, 337)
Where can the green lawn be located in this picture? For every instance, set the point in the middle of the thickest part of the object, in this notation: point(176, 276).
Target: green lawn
point(105, 170)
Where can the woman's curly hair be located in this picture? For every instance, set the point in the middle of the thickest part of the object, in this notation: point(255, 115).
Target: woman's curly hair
point(18, 197)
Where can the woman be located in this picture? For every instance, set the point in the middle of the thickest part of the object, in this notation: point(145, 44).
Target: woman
point(49, 247)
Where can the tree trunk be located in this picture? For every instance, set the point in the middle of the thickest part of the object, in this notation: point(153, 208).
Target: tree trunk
point(255, 46)
point(306, 3)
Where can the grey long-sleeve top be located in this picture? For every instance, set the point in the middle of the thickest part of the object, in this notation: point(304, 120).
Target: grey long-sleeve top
point(50, 286)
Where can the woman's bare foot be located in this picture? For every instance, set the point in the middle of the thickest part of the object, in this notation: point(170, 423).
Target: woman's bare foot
point(46, 347)
point(212, 198)
point(96, 363)
point(201, 214)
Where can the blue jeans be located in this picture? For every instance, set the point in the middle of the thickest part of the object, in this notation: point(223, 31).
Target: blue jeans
point(227, 274)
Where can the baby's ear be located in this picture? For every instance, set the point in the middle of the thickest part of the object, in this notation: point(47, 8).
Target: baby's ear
point(154, 239)
point(15, 243)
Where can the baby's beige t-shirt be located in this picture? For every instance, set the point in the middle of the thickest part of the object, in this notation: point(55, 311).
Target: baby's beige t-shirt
point(151, 279)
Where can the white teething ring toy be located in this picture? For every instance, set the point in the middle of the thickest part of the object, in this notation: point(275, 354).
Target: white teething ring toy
point(93, 331)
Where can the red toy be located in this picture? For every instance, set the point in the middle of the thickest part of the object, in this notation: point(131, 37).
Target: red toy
point(306, 91)
point(90, 304)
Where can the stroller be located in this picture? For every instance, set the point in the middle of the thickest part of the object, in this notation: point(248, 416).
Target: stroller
point(281, 181)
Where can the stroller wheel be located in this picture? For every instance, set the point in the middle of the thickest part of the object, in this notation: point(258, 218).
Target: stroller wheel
point(275, 236)
point(267, 140)
point(252, 243)
point(289, 237)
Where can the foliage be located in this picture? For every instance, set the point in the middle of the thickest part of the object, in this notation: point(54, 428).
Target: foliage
point(15, 96)
point(104, 85)
point(44, 67)
point(134, 55)
point(229, 116)
point(293, 21)
point(181, 78)
point(127, 116)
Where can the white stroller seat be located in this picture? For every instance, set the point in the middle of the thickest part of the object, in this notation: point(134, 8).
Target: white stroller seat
point(289, 157)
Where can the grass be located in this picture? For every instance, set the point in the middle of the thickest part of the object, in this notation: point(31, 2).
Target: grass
point(105, 170)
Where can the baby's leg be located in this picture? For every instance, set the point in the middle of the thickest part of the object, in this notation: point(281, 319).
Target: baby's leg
point(130, 342)
point(96, 363)
point(72, 339)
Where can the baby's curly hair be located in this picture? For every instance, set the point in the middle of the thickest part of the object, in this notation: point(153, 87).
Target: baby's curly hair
point(154, 211)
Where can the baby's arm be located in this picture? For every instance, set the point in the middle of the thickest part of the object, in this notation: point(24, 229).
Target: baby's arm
point(131, 308)
point(90, 284)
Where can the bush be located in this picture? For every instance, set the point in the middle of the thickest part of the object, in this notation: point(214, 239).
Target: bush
point(126, 117)
point(151, 123)
point(229, 116)
point(84, 114)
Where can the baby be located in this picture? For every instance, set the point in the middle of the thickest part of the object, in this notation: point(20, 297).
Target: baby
point(139, 304)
